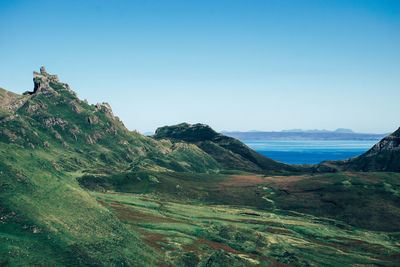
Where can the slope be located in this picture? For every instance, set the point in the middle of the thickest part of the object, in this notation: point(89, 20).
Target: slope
point(383, 156)
point(48, 138)
point(229, 152)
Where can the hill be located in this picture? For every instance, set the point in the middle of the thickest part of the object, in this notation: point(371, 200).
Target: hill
point(229, 152)
point(48, 138)
point(79, 189)
point(53, 118)
point(383, 156)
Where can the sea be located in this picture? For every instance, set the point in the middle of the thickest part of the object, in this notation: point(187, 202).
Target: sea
point(309, 151)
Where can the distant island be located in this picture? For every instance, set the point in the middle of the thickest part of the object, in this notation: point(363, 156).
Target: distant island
point(338, 130)
point(299, 134)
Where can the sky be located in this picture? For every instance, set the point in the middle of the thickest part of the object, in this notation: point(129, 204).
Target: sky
point(239, 65)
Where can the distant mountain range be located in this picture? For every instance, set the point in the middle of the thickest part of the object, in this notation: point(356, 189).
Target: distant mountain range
point(338, 130)
point(299, 134)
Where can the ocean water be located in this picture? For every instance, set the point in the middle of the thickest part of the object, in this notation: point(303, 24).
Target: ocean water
point(309, 152)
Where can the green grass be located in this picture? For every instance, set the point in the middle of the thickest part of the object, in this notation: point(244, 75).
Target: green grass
point(49, 217)
point(95, 194)
point(4, 114)
point(179, 232)
point(368, 200)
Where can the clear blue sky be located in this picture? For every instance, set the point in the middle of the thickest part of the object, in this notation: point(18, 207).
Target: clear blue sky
point(236, 65)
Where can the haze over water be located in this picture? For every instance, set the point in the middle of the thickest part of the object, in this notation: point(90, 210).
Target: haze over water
point(309, 151)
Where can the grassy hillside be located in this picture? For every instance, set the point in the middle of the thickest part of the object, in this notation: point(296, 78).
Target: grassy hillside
point(188, 226)
point(230, 153)
point(94, 137)
point(47, 140)
point(79, 189)
point(383, 156)
point(367, 200)
point(47, 219)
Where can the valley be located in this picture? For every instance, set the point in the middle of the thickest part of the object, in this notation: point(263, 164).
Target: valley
point(194, 232)
point(77, 188)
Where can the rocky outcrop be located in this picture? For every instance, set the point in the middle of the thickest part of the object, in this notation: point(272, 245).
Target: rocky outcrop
point(92, 119)
point(11, 136)
point(75, 106)
point(106, 108)
point(33, 108)
point(383, 156)
point(390, 143)
point(48, 84)
point(49, 122)
point(9, 118)
point(10, 102)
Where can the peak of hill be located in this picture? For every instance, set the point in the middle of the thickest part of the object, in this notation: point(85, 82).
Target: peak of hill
point(52, 118)
point(45, 83)
point(187, 132)
point(383, 156)
point(227, 151)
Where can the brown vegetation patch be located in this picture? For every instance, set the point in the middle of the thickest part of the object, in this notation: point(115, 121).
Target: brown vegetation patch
point(217, 245)
point(103, 203)
point(212, 244)
point(127, 213)
point(240, 181)
point(152, 240)
point(261, 222)
point(283, 183)
point(248, 221)
point(350, 245)
point(155, 241)
point(152, 200)
point(355, 244)
point(367, 177)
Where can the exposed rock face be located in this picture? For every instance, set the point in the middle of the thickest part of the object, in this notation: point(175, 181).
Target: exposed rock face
point(9, 118)
point(31, 109)
point(383, 156)
point(49, 122)
point(106, 108)
point(76, 106)
point(47, 84)
point(10, 101)
point(92, 120)
point(389, 143)
point(11, 136)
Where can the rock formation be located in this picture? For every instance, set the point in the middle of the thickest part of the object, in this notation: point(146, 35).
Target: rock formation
point(47, 84)
point(106, 108)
